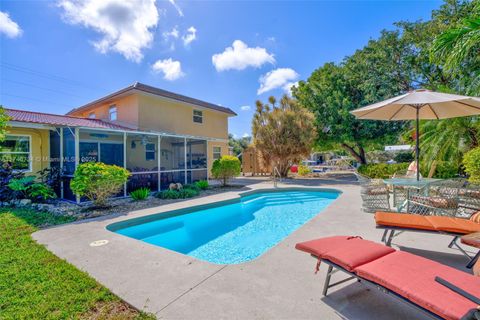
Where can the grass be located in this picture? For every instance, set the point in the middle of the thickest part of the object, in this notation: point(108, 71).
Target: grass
point(36, 284)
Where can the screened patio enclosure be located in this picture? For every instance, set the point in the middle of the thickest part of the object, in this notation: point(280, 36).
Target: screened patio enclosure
point(154, 160)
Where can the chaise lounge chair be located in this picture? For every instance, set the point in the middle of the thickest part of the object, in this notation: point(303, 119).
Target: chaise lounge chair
point(399, 222)
point(414, 280)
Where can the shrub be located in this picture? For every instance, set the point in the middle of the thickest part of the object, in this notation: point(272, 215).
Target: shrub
point(40, 192)
point(304, 170)
point(191, 186)
point(98, 181)
point(403, 157)
point(471, 161)
point(443, 170)
point(202, 184)
point(169, 194)
point(6, 175)
point(188, 193)
point(140, 194)
point(381, 170)
point(26, 187)
point(225, 168)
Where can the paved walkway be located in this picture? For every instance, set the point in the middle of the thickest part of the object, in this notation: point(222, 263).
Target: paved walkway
point(279, 285)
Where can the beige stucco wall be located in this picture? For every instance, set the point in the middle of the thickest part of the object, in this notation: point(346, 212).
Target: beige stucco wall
point(158, 114)
point(127, 110)
point(40, 148)
point(212, 144)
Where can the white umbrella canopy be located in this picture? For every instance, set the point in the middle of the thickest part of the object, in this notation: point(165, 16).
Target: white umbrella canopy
point(420, 104)
point(430, 105)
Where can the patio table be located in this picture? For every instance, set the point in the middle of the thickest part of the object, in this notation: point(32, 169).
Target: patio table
point(406, 183)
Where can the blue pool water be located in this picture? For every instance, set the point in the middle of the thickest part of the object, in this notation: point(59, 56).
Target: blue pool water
point(235, 232)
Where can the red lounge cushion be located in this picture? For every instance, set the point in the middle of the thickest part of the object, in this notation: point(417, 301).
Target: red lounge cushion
point(413, 277)
point(403, 220)
point(347, 252)
point(455, 225)
point(356, 253)
point(319, 247)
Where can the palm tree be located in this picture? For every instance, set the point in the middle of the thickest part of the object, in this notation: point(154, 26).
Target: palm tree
point(459, 48)
point(447, 140)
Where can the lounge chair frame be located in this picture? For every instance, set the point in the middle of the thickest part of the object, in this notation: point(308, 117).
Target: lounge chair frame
point(387, 239)
point(334, 268)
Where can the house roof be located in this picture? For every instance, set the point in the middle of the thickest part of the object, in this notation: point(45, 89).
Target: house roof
point(159, 92)
point(59, 120)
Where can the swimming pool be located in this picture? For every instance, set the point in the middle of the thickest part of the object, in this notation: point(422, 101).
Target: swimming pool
point(230, 233)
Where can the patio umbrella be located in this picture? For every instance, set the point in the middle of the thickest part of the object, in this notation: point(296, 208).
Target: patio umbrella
point(420, 104)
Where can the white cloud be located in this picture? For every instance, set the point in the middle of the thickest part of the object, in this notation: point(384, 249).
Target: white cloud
point(9, 27)
point(246, 135)
point(171, 34)
point(276, 79)
point(189, 36)
point(239, 56)
point(245, 108)
point(288, 87)
point(179, 10)
point(126, 26)
point(172, 70)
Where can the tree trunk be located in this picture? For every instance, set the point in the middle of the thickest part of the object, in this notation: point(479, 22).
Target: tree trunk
point(358, 155)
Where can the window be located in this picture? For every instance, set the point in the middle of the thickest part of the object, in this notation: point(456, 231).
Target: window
point(197, 116)
point(16, 149)
point(113, 112)
point(92, 115)
point(150, 151)
point(217, 153)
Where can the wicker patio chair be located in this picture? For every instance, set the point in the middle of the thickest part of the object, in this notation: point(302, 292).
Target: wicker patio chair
point(375, 194)
point(469, 200)
point(440, 198)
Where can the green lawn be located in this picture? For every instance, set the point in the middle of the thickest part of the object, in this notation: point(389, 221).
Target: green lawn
point(36, 284)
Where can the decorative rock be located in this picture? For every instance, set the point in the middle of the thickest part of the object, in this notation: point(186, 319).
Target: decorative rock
point(172, 186)
point(24, 202)
point(179, 186)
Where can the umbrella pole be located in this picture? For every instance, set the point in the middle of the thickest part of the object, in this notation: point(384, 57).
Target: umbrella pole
point(417, 145)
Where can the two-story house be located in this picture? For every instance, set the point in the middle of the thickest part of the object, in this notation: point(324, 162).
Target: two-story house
point(159, 136)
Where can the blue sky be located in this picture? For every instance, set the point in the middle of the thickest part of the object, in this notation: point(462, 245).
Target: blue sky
point(57, 55)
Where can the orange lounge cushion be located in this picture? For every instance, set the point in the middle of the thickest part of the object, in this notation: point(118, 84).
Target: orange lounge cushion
point(454, 225)
point(413, 277)
point(347, 252)
point(403, 220)
point(433, 223)
point(475, 217)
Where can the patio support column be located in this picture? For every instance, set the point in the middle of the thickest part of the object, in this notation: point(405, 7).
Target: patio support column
point(208, 173)
point(185, 159)
point(125, 161)
point(61, 163)
point(159, 163)
point(77, 154)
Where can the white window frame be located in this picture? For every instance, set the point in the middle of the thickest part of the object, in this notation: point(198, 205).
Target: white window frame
point(150, 151)
point(112, 110)
point(216, 153)
point(199, 116)
point(29, 151)
point(92, 115)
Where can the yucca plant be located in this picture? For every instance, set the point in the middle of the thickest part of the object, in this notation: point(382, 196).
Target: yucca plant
point(140, 194)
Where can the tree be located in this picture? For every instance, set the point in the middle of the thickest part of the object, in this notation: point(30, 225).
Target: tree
point(4, 118)
point(458, 49)
point(238, 145)
point(226, 168)
point(283, 133)
point(374, 73)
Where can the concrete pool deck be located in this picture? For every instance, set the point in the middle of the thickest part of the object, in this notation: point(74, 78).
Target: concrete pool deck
point(280, 284)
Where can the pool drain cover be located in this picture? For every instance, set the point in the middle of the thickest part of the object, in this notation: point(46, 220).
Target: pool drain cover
point(98, 243)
